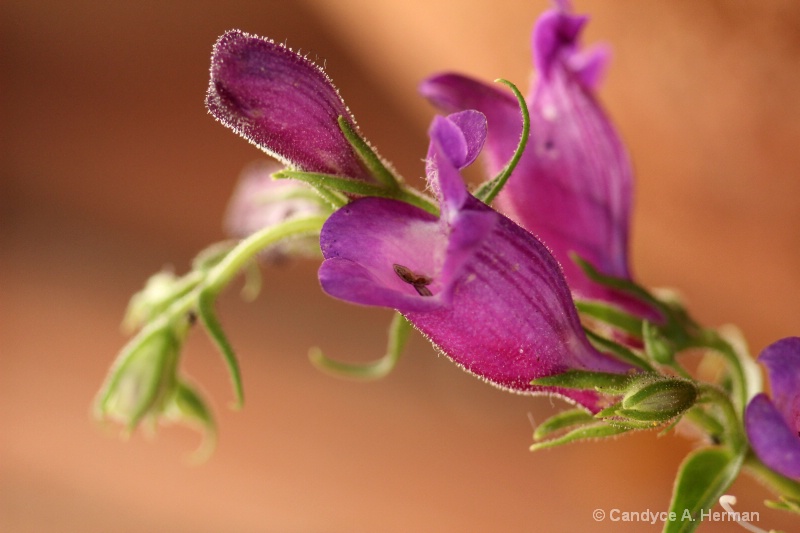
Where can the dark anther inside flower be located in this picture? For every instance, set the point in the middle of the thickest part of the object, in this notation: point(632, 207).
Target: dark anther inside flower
point(420, 283)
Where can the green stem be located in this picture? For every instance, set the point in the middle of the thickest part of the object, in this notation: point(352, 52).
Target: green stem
point(204, 292)
point(222, 273)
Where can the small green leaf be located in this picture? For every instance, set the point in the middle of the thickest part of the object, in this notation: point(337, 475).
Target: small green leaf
point(563, 420)
point(188, 406)
point(205, 308)
point(360, 188)
point(490, 189)
point(398, 335)
point(581, 379)
point(598, 430)
point(702, 478)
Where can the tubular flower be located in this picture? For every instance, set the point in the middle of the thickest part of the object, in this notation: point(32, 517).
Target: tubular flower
point(281, 102)
point(773, 423)
point(573, 186)
point(260, 201)
point(483, 290)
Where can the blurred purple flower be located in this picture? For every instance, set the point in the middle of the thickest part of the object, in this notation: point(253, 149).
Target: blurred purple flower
point(573, 185)
point(260, 201)
point(773, 423)
point(281, 102)
point(485, 291)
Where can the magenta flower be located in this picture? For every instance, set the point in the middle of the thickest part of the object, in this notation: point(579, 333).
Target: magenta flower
point(773, 423)
point(573, 186)
point(485, 291)
point(281, 102)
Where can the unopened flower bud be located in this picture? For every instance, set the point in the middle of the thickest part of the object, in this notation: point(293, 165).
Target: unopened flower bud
point(143, 381)
point(658, 400)
point(260, 202)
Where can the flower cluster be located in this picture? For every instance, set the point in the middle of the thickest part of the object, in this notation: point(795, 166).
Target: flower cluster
point(532, 293)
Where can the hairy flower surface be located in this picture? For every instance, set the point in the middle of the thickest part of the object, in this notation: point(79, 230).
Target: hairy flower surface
point(281, 102)
point(573, 186)
point(486, 292)
point(773, 422)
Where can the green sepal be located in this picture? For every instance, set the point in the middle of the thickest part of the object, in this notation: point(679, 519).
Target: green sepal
point(785, 504)
point(371, 160)
point(657, 347)
point(604, 382)
point(617, 350)
point(360, 188)
point(142, 378)
point(208, 316)
point(561, 421)
point(490, 189)
point(666, 396)
point(702, 478)
point(189, 407)
point(651, 401)
point(611, 315)
point(620, 284)
point(398, 335)
point(599, 430)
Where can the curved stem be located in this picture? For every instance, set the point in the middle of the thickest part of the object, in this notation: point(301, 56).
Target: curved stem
point(236, 259)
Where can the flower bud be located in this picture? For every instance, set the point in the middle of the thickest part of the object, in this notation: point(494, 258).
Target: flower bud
point(143, 381)
point(658, 400)
point(158, 293)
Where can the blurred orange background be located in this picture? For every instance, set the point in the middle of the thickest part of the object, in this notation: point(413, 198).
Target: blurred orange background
point(111, 169)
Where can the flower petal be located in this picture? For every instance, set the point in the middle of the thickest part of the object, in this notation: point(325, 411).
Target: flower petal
point(782, 359)
point(281, 102)
point(363, 241)
point(504, 311)
point(454, 92)
point(573, 185)
point(775, 443)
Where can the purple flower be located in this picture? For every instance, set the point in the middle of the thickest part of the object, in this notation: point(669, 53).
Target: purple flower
point(281, 102)
point(573, 185)
point(260, 201)
point(485, 291)
point(773, 423)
